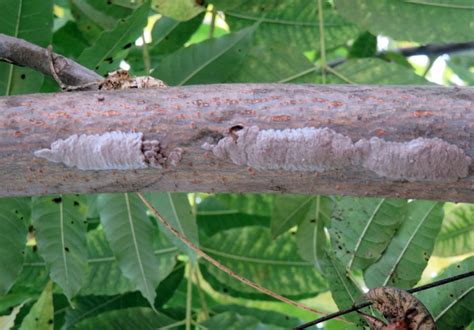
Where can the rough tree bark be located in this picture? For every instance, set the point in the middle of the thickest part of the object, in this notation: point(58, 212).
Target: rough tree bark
point(188, 117)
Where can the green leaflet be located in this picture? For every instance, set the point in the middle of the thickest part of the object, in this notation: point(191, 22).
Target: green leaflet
point(129, 318)
point(413, 20)
point(210, 61)
point(130, 235)
point(14, 214)
point(457, 231)
point(405, 258)
point(362, 228)
point(175, 208)
point(31, 20)
point(451, 304)
point(292, 22)
point(264, 316)
point(41, 315)
point(111, 46)
point(234, 321)
point(289, 211)
point(375, 71)
point(60, 226)
point(343, 290)
point(311, 236)
point(252, 253)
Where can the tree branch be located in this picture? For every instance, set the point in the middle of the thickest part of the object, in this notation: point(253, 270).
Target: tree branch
point(23, 53)
point(176, 122)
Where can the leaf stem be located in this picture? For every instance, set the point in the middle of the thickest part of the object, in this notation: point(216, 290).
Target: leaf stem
point(322, 44)
point(189, 296)
point(146, 56)
point(212, 26)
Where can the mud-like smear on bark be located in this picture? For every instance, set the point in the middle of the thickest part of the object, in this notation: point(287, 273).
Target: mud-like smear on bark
point(109, 151)
point(322, 149)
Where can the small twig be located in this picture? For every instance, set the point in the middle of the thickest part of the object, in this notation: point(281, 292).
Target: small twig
point(146, 56)
point(189, 296)
point(212, 26)
point(322, 44)
point(217, 264)
point(53, 68)
point(368, 303)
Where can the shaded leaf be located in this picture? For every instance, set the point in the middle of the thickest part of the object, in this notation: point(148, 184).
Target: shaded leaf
point(175, 208)
point(289, 211)
point(181, 10)
point(68, 41)
point(111, 46)
point(457, 231)
point(211, 61)
point(128, 318)
point(451, 304)
point(234, 321)
point(364, 46)
point(274, 264)
point(405, 258)
point(41, 315)
point(311, 236)
point(414, 20)
point(14, 214)
point(60, 226)
point(30, 20)
point(375, 71)
point(362, 228)
point(130, 235)
point(292, 22)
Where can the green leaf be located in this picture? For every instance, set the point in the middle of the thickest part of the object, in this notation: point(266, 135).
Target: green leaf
point(311, 236)
point(181, 10)
point(457, 231)
point(268, 62)
point(462, 65)
point(130, 235)
point(413, 20)
point(129, 318)
point(252, 253)
point(255, 204)
point(14, 213)
point(265, 316)
point(406, 256)
point(93, 17)
point(214, 216)
point(34, 275)
point(343, 290)
point(292, 22)
point(362, 228)
point(234, 321)
point(61, 237)
point(111, 46)
point(211, 61)
point(68, 41)
point(375, 71)
point(451, 304)
point(30, 20)
point(41, 314)
point(364, 46)
point(289, 211)
point(175, 208)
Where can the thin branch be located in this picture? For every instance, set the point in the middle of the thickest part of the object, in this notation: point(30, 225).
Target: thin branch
point(368, 303)
point(146, 56)
point(220, 266)
point(23, 53)
point(322, 44)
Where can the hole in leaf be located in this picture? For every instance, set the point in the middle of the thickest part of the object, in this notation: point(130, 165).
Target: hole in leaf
point(57, 200)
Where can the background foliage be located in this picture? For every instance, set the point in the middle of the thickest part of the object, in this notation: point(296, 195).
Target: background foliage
point(102, 261)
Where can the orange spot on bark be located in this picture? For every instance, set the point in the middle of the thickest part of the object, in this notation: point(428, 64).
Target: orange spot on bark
point(422, 113)
point(380, 132)
point(281, 118)
point(336, 104)
point(18, 134)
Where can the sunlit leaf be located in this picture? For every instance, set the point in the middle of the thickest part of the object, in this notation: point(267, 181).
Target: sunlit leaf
point(181, 10)
point(362, 228)
point(130, 235)
point(8, 321)
point(413, 20)
point(211, 61)
point(252, 253)
point(41, 315)
point(405, 258)
point(30, 20)
point(457, 231)
point(61, 237)
point(14, 214)
point(175, 208)
point(451, 304)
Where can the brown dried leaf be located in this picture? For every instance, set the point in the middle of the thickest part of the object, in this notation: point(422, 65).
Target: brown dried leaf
point(401, 310)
